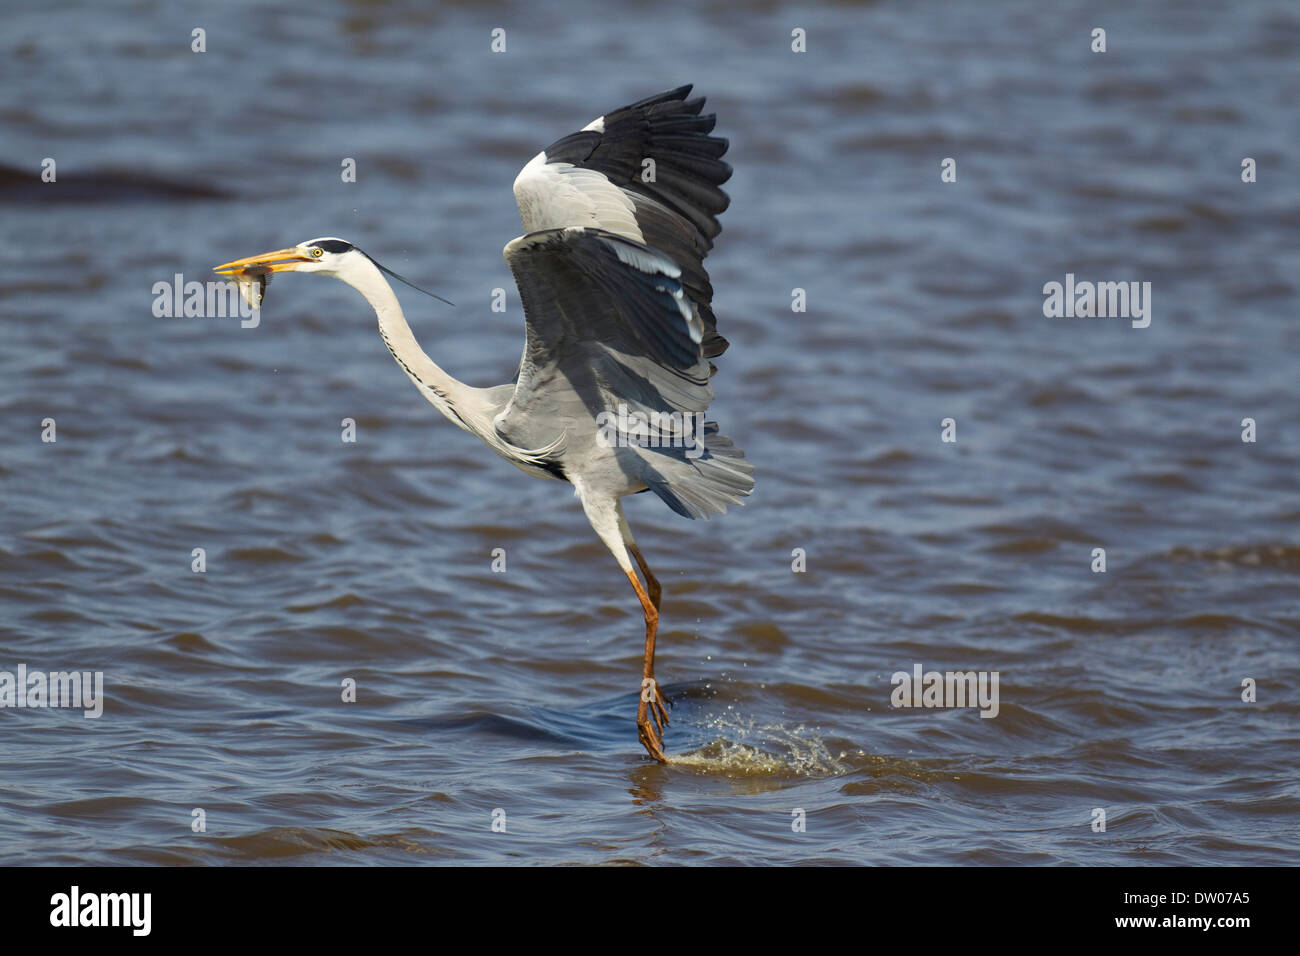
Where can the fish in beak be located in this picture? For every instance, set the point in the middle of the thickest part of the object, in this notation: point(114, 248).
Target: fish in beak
point(252, 275)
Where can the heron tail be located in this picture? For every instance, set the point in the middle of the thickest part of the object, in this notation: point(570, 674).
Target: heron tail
point(697, 483)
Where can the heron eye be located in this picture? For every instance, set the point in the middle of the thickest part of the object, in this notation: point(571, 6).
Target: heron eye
point(317, 252)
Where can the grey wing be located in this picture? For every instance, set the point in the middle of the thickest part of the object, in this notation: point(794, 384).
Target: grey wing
point(613, 349)
point(649, 172)
point(606, 322)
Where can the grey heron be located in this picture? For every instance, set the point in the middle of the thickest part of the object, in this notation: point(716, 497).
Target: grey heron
point(615, 375)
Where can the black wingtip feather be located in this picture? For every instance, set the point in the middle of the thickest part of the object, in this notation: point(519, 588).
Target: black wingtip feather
point(678, 212)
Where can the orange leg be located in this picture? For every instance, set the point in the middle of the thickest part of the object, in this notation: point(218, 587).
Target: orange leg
point(649, 734)
point(607, 520)
point(652, 584)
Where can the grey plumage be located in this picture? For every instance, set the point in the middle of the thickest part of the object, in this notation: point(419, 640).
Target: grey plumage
point(615, 375)
point(609, 328)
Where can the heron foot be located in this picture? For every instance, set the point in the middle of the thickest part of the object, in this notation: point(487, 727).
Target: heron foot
point(660, 714)
point(650, 739)
point(657, 699)
point(651, 734)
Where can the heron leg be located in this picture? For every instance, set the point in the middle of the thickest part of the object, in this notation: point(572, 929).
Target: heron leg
point(651, 736)
point(606, 517)
point(651, 582)
point(655, 593)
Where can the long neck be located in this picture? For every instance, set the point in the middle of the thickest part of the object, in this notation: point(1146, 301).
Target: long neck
point(461, 403)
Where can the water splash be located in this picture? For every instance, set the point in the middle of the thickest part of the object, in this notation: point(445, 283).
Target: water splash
point(744, 747)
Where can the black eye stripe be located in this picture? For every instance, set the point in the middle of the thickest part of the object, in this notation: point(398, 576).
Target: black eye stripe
point(333, 245)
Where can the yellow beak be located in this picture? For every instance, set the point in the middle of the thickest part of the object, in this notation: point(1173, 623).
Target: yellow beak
point(282, 260)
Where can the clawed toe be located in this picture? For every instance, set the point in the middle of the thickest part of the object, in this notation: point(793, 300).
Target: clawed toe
point(661, 714)
point(651, 740)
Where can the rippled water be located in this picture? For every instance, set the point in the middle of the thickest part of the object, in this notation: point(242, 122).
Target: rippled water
point(479, 690)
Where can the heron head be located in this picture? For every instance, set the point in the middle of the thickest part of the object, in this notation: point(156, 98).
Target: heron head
point(326, 255)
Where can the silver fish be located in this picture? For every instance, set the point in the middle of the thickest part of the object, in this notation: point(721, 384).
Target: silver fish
point(252, 283)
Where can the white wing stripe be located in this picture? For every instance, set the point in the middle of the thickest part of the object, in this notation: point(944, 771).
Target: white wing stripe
point(556, 195)
point(649, 264)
